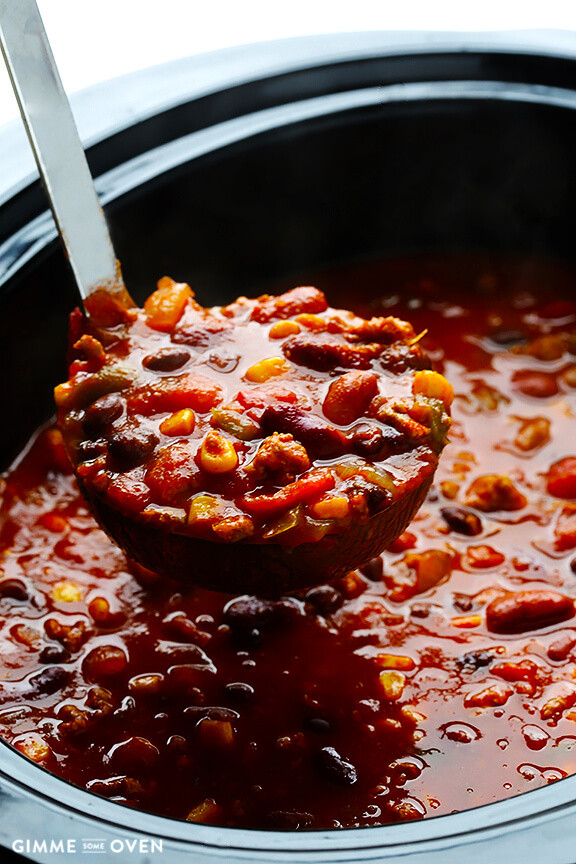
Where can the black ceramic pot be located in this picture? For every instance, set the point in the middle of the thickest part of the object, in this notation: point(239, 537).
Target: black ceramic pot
point(240, 169)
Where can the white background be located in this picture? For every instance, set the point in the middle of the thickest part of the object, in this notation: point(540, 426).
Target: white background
point(94, 40)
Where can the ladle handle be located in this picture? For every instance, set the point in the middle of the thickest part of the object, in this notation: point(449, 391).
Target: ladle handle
point(57, 148)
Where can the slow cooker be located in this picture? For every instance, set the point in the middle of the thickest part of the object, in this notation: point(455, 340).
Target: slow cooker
point(245, 167)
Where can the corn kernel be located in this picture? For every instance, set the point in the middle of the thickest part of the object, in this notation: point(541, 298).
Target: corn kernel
point(180, 423)
point(265, 369)
point(433, 385)
point(311, 322)
point(332, 508)
point(207, 811)
point(392, 683)
point(467, 621)
point(396, 661)
point(217, 454)
point(281, 329)
point(66, 592)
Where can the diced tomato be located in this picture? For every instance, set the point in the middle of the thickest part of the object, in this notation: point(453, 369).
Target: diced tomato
point(173, 394)
point(484, 557)
point(306, 488)
point(561, 478)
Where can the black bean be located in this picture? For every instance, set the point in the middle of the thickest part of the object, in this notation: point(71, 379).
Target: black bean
point(238, 691)
point(325, 599)
point(373, 570)
point(375, 442)
point(462, 521)
point(166, 360)
point(197, 713)
point(317, 724)
point(88, 450)
point(14, 589)
point(54, 654)
point(507, 338)
point(289, 820)
point(247, 612)
point(573, 566)
point(103, 411)
point(132, 446)
point(49, 680)
point(476, 660)
point(463, 602)
point(336, 768)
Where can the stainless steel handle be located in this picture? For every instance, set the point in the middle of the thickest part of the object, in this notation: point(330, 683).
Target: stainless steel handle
point(57, 148)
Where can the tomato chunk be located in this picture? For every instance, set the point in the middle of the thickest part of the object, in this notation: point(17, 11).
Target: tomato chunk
point(561, 478)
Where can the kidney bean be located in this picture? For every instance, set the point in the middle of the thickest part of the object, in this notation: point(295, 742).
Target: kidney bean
point(104, 661)
point(539, 385)
point(133, 754)
point(103, 411)
point(561, 647)
point(462, 521)
point(166, 359)
point(522, 611)
point(349, 395)
point(337, 769)
point(49, 680)
point(320, 440)
point(132, 446)
point(322, 352)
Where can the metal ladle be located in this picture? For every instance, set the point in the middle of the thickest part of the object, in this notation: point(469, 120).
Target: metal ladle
point(255, 567)
point(57, 148)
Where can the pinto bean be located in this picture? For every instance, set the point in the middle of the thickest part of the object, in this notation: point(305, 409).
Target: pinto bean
point(349, 395)
point(523, 611)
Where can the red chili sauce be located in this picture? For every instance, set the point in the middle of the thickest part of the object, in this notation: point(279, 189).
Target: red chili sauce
point(440, 677)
